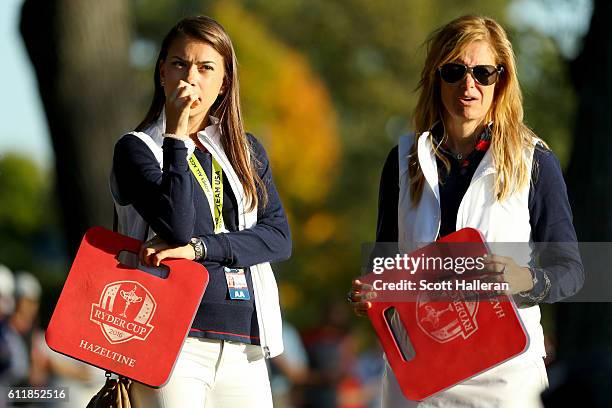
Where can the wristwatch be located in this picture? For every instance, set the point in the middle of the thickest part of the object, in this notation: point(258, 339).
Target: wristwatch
point(199, 248)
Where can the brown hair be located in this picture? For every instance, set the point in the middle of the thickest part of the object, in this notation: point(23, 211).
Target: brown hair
point(509, 135)
point(226, 108)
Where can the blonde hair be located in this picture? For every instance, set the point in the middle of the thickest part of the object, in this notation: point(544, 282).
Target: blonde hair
point(509, 135)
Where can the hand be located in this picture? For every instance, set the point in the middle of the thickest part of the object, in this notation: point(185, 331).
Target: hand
point(178, 106)
point(156, 250)
point(504, 269)
point(359, 297)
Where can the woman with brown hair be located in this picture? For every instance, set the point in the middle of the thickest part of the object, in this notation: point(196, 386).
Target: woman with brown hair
point(472, 162)
point(194, 183)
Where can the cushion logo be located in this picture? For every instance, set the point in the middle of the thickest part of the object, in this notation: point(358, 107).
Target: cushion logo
point(448, 320)
point(124, 312)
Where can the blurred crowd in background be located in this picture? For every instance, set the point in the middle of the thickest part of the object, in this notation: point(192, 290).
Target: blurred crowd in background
point(321, 367)
point(328, 87)
point(25, 358)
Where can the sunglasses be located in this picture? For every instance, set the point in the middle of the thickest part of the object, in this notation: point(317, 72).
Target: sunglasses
point(483, 74)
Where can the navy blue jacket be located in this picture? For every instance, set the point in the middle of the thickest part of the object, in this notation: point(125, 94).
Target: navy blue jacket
point(550, 216)
point(176, 208)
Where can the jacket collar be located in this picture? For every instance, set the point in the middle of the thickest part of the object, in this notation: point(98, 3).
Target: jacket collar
point(211, 132)
point(429, 166)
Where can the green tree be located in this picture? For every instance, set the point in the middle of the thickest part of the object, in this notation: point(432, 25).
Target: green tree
point(370, 55)
point(288, 107)
point(30, 235)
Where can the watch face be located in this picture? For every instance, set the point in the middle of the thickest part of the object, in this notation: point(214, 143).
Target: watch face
point(196, 243)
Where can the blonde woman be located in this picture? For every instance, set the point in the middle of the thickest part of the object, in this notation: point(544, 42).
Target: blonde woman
point(191, 179)
point(472, 162)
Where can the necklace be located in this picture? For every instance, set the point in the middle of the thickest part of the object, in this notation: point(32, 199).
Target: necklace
point(457, 156)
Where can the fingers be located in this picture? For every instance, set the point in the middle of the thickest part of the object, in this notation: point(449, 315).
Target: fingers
point(361, 309)
point(495, 264)
point(146, 256)
point(360, 296)
point(181, 252)
point(182, 89)
point(185, 99)
point(364, 296)
point(184, 96)
point(360, 286)
point(149, 248)
point(153, 253)
point(158, 257)
point(178, 105)
point(361, 292)
point(154, 257)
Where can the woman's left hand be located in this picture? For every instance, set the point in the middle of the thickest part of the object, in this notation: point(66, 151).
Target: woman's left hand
point(504, 269)
point(156, 250)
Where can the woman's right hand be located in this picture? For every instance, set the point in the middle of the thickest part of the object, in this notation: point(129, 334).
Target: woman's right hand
point(360, 296)
point(178, 106)
point(155, 250)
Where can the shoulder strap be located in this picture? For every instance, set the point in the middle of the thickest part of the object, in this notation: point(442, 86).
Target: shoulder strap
point(404, 146)
point(151, 144)
point(159, 154)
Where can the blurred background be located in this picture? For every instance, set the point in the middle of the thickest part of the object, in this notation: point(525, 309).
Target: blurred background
point(328, 87)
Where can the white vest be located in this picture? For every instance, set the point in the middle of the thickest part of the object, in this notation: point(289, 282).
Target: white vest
point(506, 221)
point(264, 283)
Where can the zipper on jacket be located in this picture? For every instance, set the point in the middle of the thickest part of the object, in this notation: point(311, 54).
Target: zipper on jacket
point(254, 276)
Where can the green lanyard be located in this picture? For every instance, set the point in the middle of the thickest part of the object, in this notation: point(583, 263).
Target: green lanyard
point(214, 193)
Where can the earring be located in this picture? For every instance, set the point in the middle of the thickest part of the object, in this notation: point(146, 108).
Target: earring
point(161, 82)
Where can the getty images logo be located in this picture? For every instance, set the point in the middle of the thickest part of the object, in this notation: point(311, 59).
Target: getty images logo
point(124, 311)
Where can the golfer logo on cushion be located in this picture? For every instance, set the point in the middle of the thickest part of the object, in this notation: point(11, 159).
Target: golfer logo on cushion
point(445, 321)
point(124, 312)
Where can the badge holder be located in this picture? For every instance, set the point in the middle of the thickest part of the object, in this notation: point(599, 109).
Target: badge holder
point(237, 284)
point(433, 345)
point(122, 319)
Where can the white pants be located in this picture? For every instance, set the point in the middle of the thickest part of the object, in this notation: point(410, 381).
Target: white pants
point(211, 374)
point(517, 383)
